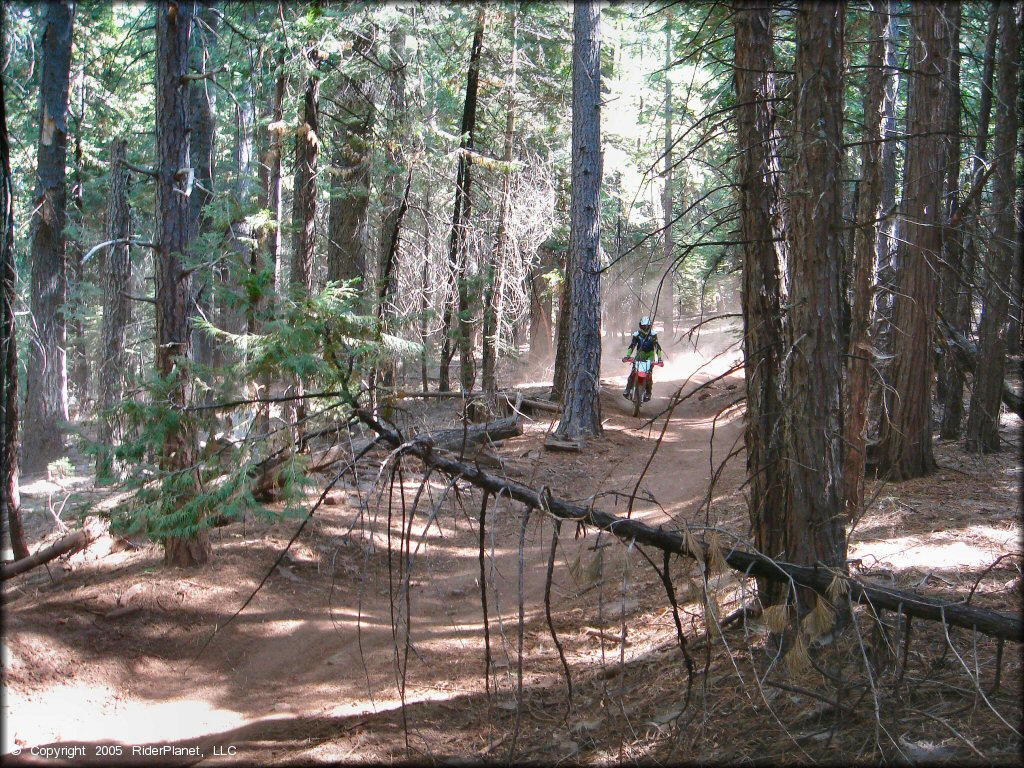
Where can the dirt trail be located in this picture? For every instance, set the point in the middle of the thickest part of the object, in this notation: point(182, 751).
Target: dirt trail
point(310, 670)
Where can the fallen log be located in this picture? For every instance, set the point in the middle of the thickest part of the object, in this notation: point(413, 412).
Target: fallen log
point(528, 402)
point(965, 357)
point(818, 578)
point(67, 545)
point(492, 432)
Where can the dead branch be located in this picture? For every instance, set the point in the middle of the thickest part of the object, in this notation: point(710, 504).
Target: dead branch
point(69, 544)
point(965, 357)
point(817, 577)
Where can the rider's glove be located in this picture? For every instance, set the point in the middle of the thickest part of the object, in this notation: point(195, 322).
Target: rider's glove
point(627, 359)
point(661, 364)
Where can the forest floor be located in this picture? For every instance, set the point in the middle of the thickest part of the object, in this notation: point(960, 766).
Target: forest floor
point(103, 649)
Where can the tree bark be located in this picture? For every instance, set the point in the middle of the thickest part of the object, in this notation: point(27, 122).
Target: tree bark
point(958, 310)
point(202, 147)
point(951, 273)
point(394, 174)
point(813, 526)
point(668, 274)
point(46, 395)
point(460, 327)
point(10, 492)
point(559, 381)
point(78, 364)
point(67, 545)
point(175, 301)
point(117, 310)
point(491, 336)
point(271, 198)
point(983, 418)
point(581, 404)
point(307, 148)
point(352, 162)
point(762, 230)
point(885, 248)
point(906, 437)
point(869, 210)
point(540, 309)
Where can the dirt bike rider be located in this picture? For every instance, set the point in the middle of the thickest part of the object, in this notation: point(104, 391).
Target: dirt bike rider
point(646, 346)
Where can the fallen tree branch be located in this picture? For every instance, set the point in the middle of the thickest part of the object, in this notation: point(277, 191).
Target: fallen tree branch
point(965, 357)
point(69, 544)
point(816, 577)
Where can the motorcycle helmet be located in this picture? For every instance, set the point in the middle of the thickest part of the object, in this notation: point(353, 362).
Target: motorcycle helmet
point(645, 324)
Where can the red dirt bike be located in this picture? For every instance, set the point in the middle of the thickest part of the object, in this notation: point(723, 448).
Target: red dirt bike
point(642, 370)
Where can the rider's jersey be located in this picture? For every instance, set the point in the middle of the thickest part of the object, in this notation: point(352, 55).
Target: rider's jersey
point(646, 346)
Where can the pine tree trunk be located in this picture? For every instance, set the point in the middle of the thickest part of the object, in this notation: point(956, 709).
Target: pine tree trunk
point(950, 381)
point(666, 302)
point(962, 319)
point(46, 395)
point(352, 161)
point(270, 170)
point(814, 417)
point(885, 247)
point(983, 418)
point(953, 306)
point(307, 147)
point(581, 404)
point(460, 327)
point(764, 256)
point(906, 437)
point(10, 492)
point(491, 338)
point(394, 174)
point(866, 237)
point(559, 381)
point(540, 309)
point(175, 301)
point(78, 364)
point(116, 310)
point(201, 141)
point(271, 200)
point(245, 252)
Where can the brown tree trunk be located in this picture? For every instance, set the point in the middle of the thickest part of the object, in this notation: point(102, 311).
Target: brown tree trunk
point(885, 247)
point(394, 175)
point(10, 492)
point(491, 337)
point(116, 310)
point(352, 159)
point(202, 148)
point(952, 245)
point(174, 298)
point(869, 209)
point(764, 257)
point(307, 148)
point(983, 418)
point(46, 395)
point(246, 255)
point(906, 436)
point(581, 403)
point(540, 309)
point(460, 327)
point(666, 292)
point(814, 417)
point(561, 376)
point(78, 364)
point(271, 198)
